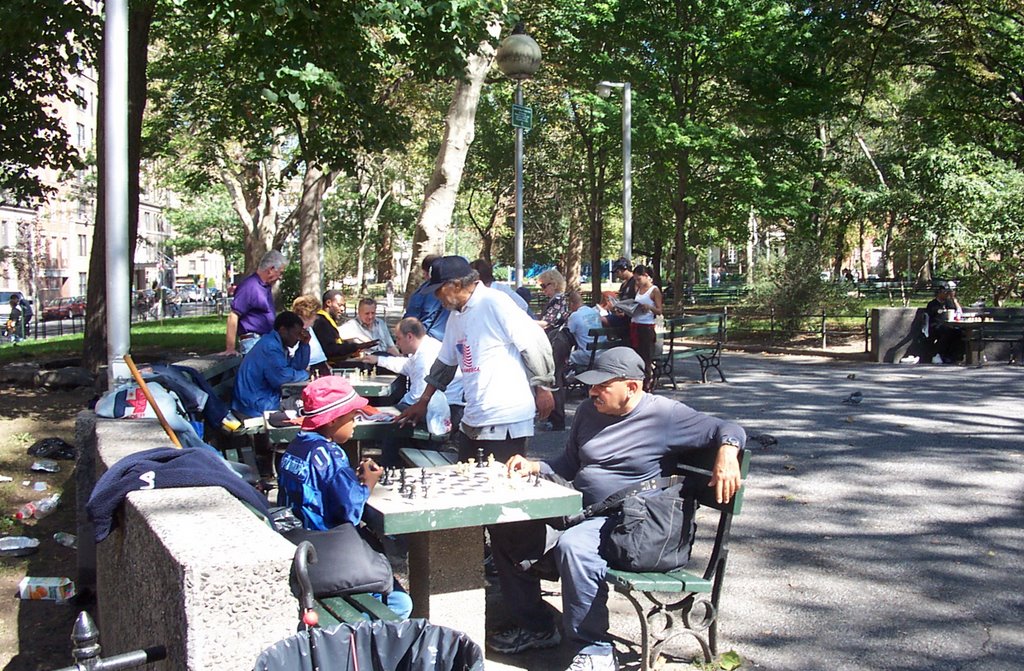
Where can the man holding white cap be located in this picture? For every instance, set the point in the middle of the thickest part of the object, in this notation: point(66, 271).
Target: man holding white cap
point(505, 359)
point(619, 439)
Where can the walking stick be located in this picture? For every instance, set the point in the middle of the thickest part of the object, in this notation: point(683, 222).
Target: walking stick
point(152, 402)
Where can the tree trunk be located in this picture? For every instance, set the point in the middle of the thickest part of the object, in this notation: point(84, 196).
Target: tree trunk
point(682, 212)
point(460, 128)
point(307, 215)
point(574, 251)
point(386, 253)
point(255, 201)
point(140, 17)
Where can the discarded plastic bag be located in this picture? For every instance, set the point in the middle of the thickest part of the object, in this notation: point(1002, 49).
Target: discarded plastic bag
point(18, 546)
point(53, 447)
point(45, 466)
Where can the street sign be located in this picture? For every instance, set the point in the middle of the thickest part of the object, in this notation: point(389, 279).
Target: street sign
point(522, 117)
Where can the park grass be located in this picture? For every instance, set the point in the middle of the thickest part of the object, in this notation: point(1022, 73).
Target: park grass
point(202, 335)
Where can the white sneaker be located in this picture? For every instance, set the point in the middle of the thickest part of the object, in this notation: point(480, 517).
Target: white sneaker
point(937, 358)
point(583, 662)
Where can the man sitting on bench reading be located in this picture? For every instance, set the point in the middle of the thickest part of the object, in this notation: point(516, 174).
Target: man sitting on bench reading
point(619, 438)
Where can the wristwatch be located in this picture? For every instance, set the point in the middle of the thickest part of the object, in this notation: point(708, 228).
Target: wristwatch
point(731, 440)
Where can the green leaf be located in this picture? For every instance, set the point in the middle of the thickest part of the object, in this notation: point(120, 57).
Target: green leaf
point(730, 660)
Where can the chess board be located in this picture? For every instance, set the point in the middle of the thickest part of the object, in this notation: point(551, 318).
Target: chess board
point(462, 495)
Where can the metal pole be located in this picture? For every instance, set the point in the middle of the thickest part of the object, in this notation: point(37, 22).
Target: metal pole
point(519, 193)
point(627, 171)
point(115, 128)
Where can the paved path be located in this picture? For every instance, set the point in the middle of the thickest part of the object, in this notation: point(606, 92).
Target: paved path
point(884, 535)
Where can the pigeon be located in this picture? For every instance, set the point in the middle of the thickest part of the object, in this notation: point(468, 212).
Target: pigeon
point(854, 399)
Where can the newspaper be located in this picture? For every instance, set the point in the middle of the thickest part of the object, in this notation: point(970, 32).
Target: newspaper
point(629, 307)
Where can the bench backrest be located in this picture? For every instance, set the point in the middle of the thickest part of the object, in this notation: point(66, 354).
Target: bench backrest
point(606, 338)
point(697, 465)
point(696, 326)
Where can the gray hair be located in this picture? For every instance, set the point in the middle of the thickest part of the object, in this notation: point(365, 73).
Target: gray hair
point(462, 282)
point(273, 259)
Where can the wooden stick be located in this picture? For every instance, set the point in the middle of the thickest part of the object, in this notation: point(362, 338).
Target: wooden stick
point(152, 402)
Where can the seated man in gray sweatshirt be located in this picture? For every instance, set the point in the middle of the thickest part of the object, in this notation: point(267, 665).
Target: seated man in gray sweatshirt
point(618, 439)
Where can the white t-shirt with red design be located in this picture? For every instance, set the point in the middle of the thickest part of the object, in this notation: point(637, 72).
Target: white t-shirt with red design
point(484, 340)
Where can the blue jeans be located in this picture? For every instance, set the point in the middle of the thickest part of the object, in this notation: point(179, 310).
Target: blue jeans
point(245, 345)
point(398, 601)
point(525, 551)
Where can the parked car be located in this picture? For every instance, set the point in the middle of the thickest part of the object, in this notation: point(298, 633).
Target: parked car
point(64, 308)
point(190, 293)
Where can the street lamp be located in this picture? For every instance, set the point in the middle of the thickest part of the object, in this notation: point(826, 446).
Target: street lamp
point(518, 57)
point(604, 89)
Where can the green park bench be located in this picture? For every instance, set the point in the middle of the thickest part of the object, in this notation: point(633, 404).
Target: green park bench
point(603, 339)
point(1009, 329)
point(423, 458)
point(352, 609)
point(685, 601)
point(682, 331)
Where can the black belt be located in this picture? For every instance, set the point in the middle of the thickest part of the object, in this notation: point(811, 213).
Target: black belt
point(248, 336)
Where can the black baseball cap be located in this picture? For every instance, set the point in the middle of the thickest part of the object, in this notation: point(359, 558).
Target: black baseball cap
point(448, 268)
point(617, 362)
point(622, 263)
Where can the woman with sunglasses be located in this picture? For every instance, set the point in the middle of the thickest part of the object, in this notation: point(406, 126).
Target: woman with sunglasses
point(553, 320)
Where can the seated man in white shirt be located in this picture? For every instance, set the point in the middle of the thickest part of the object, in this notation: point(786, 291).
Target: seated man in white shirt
point(366, 327)
point(421, 351)
point(582, 318)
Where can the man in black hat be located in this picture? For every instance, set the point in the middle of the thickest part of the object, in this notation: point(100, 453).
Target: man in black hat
point(505, 359)
point(623, 272)
point(618, 439)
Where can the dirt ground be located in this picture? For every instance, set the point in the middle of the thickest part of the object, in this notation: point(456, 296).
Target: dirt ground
point(36, 635)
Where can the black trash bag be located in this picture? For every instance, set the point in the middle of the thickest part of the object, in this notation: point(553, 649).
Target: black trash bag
point(53, 448)
point(409, 645)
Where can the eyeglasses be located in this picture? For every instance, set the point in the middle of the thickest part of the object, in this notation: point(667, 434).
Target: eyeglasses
point(545, 285)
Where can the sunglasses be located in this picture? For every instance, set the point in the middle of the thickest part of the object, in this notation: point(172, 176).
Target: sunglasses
point(545, 285)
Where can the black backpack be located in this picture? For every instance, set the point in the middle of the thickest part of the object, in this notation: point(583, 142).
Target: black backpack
point(26, 309)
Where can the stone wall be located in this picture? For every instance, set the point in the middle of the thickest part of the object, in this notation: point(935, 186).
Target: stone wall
point(191, 568)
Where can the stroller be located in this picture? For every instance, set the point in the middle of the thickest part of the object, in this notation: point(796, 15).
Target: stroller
point(409, 645)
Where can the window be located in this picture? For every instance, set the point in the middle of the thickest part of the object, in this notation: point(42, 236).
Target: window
point(84, 104)
point(83, 245)
point(83, 283)
point(80, 135)
point(83, 209)
point(731, 254)
point(192, 266)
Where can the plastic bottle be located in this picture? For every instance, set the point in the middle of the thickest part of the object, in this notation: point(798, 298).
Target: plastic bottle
point(46, 506)
point(26, 511)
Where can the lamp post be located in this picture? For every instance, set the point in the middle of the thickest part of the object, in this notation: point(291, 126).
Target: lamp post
point(518, 57)
point(604, 89)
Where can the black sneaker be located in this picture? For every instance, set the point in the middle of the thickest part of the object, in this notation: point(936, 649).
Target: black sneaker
point(516, 639)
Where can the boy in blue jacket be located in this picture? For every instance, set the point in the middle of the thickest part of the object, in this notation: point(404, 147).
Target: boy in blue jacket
point(315, 477)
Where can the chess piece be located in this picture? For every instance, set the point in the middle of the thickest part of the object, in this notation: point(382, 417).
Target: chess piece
point(470, 463)
point(479, 457)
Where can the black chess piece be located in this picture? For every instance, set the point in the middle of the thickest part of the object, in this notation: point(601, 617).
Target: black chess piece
point(480, 457)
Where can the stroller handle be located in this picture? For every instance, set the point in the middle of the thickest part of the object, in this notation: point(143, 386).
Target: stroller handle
point(305, 554)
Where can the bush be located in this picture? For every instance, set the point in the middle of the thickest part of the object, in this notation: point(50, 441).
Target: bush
point(793, 288)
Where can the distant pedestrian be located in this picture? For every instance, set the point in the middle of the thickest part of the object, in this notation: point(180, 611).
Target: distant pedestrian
point(15, 329)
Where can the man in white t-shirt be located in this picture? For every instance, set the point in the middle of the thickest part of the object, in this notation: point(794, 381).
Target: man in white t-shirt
point(582, 318)
point(504, 357)
point(367, 327)
point(420, 352)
